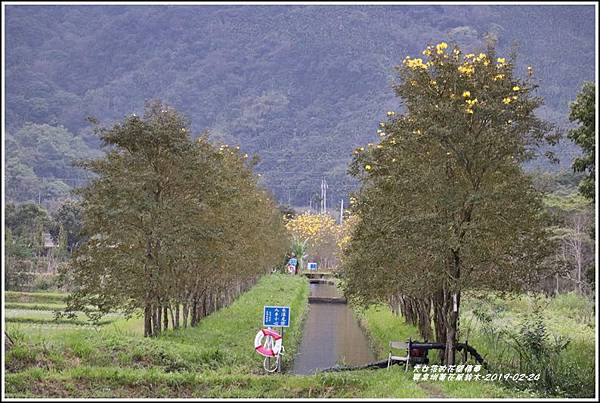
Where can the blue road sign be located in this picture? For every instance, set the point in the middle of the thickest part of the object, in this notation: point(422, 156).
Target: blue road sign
point(312, 266)
point(293, 261)
point(276, 316)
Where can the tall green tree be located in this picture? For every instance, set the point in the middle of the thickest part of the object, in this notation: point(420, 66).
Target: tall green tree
point(170, 224)
point(444, 205)
point(583, 111)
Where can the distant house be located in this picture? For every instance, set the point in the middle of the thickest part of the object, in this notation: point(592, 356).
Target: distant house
point(48, 244)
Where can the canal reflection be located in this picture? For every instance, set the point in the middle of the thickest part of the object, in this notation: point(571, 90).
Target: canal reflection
point(331, 335)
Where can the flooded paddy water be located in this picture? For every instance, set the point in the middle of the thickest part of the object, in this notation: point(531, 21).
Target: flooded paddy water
point(331, 335)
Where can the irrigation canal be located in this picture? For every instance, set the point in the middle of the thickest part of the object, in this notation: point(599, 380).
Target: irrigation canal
point(331, 334)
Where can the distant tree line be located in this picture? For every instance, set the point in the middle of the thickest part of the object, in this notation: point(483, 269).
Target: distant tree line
point(30, 263)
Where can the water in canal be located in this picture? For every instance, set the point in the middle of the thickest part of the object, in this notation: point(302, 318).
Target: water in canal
point(331, 336)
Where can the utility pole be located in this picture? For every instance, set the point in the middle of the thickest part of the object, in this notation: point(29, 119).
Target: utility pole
point(322, 195)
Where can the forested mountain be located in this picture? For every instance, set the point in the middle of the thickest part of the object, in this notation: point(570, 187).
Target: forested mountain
point(300, 86)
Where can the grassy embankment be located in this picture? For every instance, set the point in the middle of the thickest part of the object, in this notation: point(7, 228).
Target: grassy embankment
point(491, 324)
point(216, 358)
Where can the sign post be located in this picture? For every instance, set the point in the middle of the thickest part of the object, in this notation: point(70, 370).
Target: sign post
point(276, 316)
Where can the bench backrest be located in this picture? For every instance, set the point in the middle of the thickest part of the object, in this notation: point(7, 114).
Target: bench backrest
point(400, 345)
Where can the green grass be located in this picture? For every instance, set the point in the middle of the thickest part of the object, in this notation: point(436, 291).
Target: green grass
point(109, 382)
point(222, 344)
point(38, 316)
point(566, 315)
point(216, 359)
point(33, 306)
point(37, 297)
point(492, 323)
point(383, 326)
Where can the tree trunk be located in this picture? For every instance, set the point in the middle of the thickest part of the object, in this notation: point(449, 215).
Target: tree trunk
point(452, 330)
point(156, 312)
point(177, 315)
point(185, 312)
point(424, 318)
point(439, 320)
point(165, 318)
point(194, 311)
point(147, 320)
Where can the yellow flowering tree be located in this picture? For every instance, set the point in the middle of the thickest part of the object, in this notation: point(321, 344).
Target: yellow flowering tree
point(318, 234)
point(444, 205)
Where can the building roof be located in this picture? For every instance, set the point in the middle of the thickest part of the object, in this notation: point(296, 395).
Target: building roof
point(48, 241)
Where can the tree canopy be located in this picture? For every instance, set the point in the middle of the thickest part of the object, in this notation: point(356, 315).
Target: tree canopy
point(444, 205)
point(170, 222)
point(583, 111)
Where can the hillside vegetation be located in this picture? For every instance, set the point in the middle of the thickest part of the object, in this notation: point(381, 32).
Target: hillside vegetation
point(299, 85)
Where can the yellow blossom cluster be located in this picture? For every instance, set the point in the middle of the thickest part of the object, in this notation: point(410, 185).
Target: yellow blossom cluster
point(319, 231)
point(311, 226)
point(345, 230)
point(440, 47)
point(466, 69)
point(482, 57)
point(498, 77)
point(470, 104)
point(508, 100)
point(415, 63)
